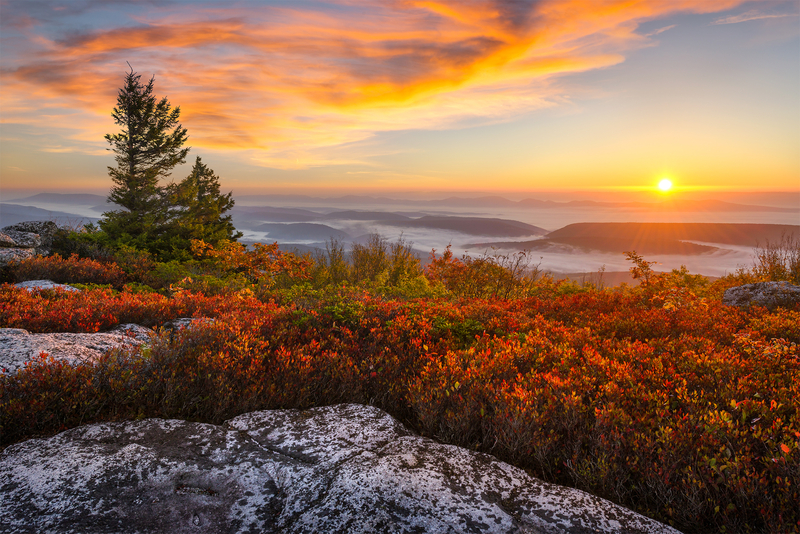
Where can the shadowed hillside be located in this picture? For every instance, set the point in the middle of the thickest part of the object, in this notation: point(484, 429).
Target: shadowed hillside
point(656, 238)
point(748, 235)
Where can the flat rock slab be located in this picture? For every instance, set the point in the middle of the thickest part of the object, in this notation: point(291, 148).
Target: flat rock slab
point(337, 469)
point(771, 295)
point(18, 346)
point(34, 285)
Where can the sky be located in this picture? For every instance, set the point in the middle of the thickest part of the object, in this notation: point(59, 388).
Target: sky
point(344, 96)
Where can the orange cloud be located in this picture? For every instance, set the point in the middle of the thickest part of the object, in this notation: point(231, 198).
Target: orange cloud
point(285, 84)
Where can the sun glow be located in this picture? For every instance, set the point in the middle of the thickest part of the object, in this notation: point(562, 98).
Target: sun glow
point(665, 185)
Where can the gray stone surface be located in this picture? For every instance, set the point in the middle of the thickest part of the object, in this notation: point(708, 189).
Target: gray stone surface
point(7, 255)
point(21, 239)
point(43, 230)
point(32, 285)
point(6, 240)
point(26, 239)
point(186, 322)
point(337, 469)
point(768, 294)
point(18, 346)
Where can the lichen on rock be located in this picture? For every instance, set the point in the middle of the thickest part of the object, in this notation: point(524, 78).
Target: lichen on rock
point(337, 469)
point(771, 295)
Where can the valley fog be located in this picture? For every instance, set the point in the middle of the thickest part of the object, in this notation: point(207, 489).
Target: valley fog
point(556, 259)
point(473, 226)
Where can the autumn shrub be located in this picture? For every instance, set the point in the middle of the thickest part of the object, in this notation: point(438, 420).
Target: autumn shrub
point(56, 310)
point(138, 264)
point(781, 323)
point(489, 276)
point(67, 270)
point(778, 260)
point(701, 436)
point(378, 264)
point(774, 261)
point(659, 398)
point(329, 266)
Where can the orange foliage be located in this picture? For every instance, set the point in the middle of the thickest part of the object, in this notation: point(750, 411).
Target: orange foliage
point(262, 262)
point(72, 269)
point(676, 406)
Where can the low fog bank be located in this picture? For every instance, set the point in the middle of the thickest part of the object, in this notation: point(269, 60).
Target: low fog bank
point(557, 259)
point(474, 226)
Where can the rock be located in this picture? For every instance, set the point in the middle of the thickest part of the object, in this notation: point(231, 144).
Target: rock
point(17, 239)
point(186, 322)
point(141, 333)
point(7, 241)
point(7, 255)
point(18, 346)
point(43, 230)
point(32, 285)
point(26, 239)
point(337, 469)
point(768, 294)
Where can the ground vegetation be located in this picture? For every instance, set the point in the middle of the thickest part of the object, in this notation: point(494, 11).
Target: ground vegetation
point(655, 396)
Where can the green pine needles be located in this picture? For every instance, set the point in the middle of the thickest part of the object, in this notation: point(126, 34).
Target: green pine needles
point(160, 219)
point(196, 212)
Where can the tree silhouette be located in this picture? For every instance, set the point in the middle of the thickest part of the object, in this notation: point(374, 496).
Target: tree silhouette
point(149, 146)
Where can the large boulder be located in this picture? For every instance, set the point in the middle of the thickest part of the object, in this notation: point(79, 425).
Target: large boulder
point(26, 239)
point(33, 234)
point(18, 346)
point(9, 254)
point(771, 295)
point(337, 469)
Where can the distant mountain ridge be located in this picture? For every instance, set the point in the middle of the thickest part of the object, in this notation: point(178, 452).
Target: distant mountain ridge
point(669, 204)
point(742, 234)
point(84, 199)
point(17, 213)
point(654, 238)
point(709, 205)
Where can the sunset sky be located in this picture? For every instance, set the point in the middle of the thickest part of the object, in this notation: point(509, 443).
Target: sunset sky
point(413, 95)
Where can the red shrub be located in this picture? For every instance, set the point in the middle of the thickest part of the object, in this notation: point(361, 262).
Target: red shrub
point(679, 408)
point(70, 270)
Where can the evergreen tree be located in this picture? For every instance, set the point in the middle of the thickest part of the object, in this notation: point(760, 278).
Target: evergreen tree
point(197, 212)
point(149, 146)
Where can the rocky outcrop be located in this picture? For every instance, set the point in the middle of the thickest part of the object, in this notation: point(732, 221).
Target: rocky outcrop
point(337, 469)
point(771, 295)
point(7, 255)
point(18, 346)
point(32, 285)
point(25, 240)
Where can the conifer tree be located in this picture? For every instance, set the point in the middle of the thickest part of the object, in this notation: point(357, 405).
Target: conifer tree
point(149, 146)
point(197, 212)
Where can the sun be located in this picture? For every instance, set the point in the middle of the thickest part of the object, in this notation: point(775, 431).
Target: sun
point(665, 185)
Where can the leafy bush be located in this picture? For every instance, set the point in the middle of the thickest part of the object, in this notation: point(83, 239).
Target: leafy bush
point(777, 261)
point(495, 276)
point(72, 269)
point(95, 310)
point(657, 397)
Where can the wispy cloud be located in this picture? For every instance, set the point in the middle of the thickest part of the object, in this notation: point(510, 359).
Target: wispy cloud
point(751, 15)
point(660, 30)
point(284, 82)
